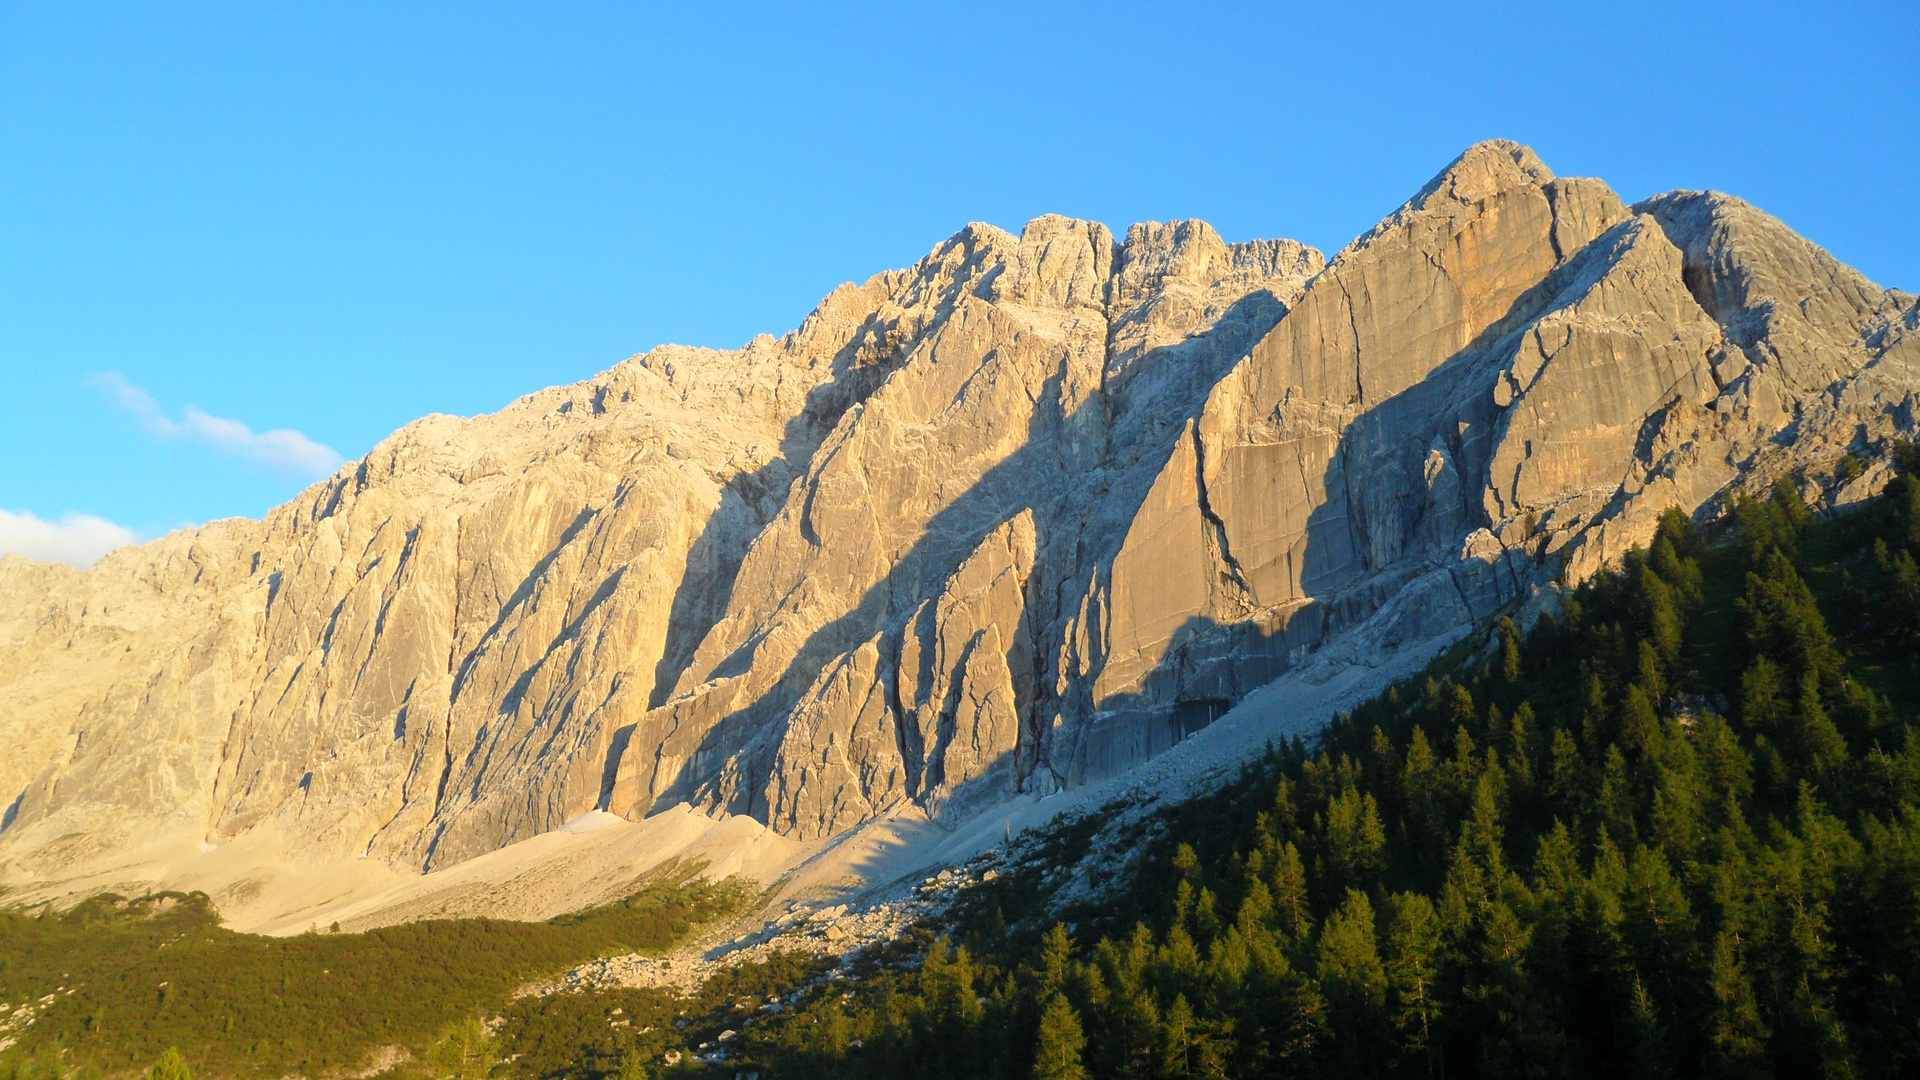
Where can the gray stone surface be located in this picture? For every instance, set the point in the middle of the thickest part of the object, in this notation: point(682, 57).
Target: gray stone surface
point(1016, 517)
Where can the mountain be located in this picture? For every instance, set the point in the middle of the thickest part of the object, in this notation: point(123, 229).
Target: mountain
point(1014, 520)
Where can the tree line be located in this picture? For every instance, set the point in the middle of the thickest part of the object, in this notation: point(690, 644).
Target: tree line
point(1670, 830)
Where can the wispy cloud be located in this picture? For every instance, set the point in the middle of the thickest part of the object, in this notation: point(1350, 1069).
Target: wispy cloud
point(283, 450)
point(79, 539)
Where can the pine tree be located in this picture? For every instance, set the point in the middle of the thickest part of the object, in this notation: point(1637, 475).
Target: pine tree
point(1763, 697)
point(1520, 751)
point(1288, 886)
point(1420, 779)
point(1412, 966)
point(1179, 1038)
point(1509, 652)
point(1652, 1048)
point(1460, 709)
point(1660, 616)
point(1058, 1055)
point(465, 1052)
point(1727, 771)
point(1206, 916)
point(1639, 723)
point(1056, 960)
point(1350, 971)
point(946, 980)
point(1566, 776)
point(1822, 748)
point(1672, 558)
point(1907, 498)
point(1782, 621)
point(1616, 801)
point(1355, 838)
point(1738, 1034)
point(171, 1066)
point(1899, 591)
point(1659, 923)
point(1596, 718)
point(633, 1065)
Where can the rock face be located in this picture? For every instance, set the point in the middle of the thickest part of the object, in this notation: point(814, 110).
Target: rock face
point(1018, 517)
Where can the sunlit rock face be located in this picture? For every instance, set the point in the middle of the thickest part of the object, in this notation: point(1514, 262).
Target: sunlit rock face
point(1017, 517)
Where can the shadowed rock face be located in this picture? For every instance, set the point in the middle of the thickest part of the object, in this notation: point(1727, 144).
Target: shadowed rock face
point(1003, 521)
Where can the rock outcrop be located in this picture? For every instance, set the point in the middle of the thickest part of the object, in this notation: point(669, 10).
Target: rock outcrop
point(1018, 517)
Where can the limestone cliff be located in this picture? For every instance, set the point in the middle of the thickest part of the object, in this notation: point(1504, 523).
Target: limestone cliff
point(1019, 516)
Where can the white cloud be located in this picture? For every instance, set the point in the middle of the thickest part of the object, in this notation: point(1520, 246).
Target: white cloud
point(79, 539)
point(283, 450)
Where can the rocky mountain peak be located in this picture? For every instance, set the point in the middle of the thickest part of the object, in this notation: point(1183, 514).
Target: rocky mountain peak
point(1483, 171)
point(1020, 516)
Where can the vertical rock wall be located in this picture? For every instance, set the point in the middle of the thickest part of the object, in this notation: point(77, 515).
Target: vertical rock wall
point(1021, 515)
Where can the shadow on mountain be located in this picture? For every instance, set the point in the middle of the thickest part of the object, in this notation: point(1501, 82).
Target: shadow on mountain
point(1403, 492)
point(712, 563)
point(1389, 520)
point(1002, 492)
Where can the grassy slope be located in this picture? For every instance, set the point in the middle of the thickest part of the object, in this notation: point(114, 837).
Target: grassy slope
point(130, 978)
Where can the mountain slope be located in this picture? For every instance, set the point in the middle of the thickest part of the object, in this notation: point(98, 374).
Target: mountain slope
point(1018, 517)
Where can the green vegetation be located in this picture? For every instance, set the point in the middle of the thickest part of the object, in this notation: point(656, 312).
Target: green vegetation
point(1673, 831)
point(129, 980)
point(607, 1033)
point(171, 1066)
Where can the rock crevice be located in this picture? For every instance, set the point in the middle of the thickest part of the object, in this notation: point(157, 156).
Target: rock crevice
point(1020, 515)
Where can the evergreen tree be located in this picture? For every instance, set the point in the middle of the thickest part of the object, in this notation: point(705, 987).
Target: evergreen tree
point(1899, 592)
point(1355, 838)
point(632, 1067)
point(1412, 968)
point(1509, 652)
point(465, 1052)
point(1288, 890)
point(1763, 697)
point(1351, 975)
point(1185, 1049)
point(1061, 1043)
point(1782, 621)
point(1652, 1049)
point(1056, 960)
point(1739, 1036)
point(1823, 750)
point(171, 1066)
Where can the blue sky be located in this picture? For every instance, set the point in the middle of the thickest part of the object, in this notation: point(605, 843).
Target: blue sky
point(241, 242)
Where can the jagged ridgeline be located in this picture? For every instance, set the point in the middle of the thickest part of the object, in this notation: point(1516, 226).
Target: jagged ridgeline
point(1017, 517)
point(1673, 830)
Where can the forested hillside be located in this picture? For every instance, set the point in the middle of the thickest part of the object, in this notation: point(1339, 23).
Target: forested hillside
point(1668, 830)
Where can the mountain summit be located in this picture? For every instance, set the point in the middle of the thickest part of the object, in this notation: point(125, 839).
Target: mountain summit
point(1011, 521)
